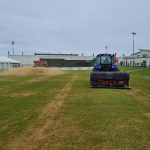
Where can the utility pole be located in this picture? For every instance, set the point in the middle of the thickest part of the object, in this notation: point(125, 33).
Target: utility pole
point(133, 33)
point(13, 47)
point(106, 47)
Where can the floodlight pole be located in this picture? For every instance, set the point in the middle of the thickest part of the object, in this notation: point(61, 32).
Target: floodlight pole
point(106, 47)
point(133, 33)
point(13, 50)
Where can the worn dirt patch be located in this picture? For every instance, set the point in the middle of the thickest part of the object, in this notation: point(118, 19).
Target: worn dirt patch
point(38, 79)
point(48, 113)
point(22, 94)
point(147, 115)
point(53, 107)
point(32, 71)
point(122, 126)
point(135, 92)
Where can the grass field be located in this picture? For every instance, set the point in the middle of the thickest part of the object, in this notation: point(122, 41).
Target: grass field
point(62, 113)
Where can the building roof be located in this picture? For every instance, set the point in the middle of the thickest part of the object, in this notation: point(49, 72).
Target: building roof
point(148, 50)
point(66, 57)
point(59, 54)
point(4, 59)
point(140, 50)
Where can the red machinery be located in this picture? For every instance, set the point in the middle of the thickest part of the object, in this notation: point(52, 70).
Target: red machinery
point(39, 63)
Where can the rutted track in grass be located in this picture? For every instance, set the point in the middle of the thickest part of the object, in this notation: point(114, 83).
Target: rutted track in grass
point(47, 115)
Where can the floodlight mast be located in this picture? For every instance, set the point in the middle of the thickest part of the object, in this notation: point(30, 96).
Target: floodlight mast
point(133, 33)
point(106, 47)
point(13, 47)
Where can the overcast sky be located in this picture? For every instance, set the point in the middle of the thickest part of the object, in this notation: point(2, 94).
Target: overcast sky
point(74, 26)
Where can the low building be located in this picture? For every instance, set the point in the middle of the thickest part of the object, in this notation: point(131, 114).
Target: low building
point(141, 58)
point(7, 63)
point(54, 60)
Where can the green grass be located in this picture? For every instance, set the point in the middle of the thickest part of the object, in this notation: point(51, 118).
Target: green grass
point(90, 119)
point(18, 108)
point(128, 68)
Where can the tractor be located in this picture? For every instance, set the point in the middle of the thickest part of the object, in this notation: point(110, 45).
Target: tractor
point(106, 74)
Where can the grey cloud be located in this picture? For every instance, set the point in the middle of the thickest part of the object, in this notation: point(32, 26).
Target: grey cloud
point(73, 25)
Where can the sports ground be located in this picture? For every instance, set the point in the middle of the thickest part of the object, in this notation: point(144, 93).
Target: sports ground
point(61, 112)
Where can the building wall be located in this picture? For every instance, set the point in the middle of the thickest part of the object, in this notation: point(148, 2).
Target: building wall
point(143, 62)
point(25, 60)
point(6, 66)
point(67, 63)
point(138, 61)
point(52, 60)
point(141, 53)
point(141, 58)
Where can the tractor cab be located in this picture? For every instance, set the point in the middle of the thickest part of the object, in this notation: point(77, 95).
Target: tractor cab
point(105, 62)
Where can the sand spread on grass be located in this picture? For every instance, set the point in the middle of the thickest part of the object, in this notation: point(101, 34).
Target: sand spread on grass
point(25, 71)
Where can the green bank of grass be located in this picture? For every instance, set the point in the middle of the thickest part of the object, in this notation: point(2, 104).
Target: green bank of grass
point(90, 118)
point(21, 99)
